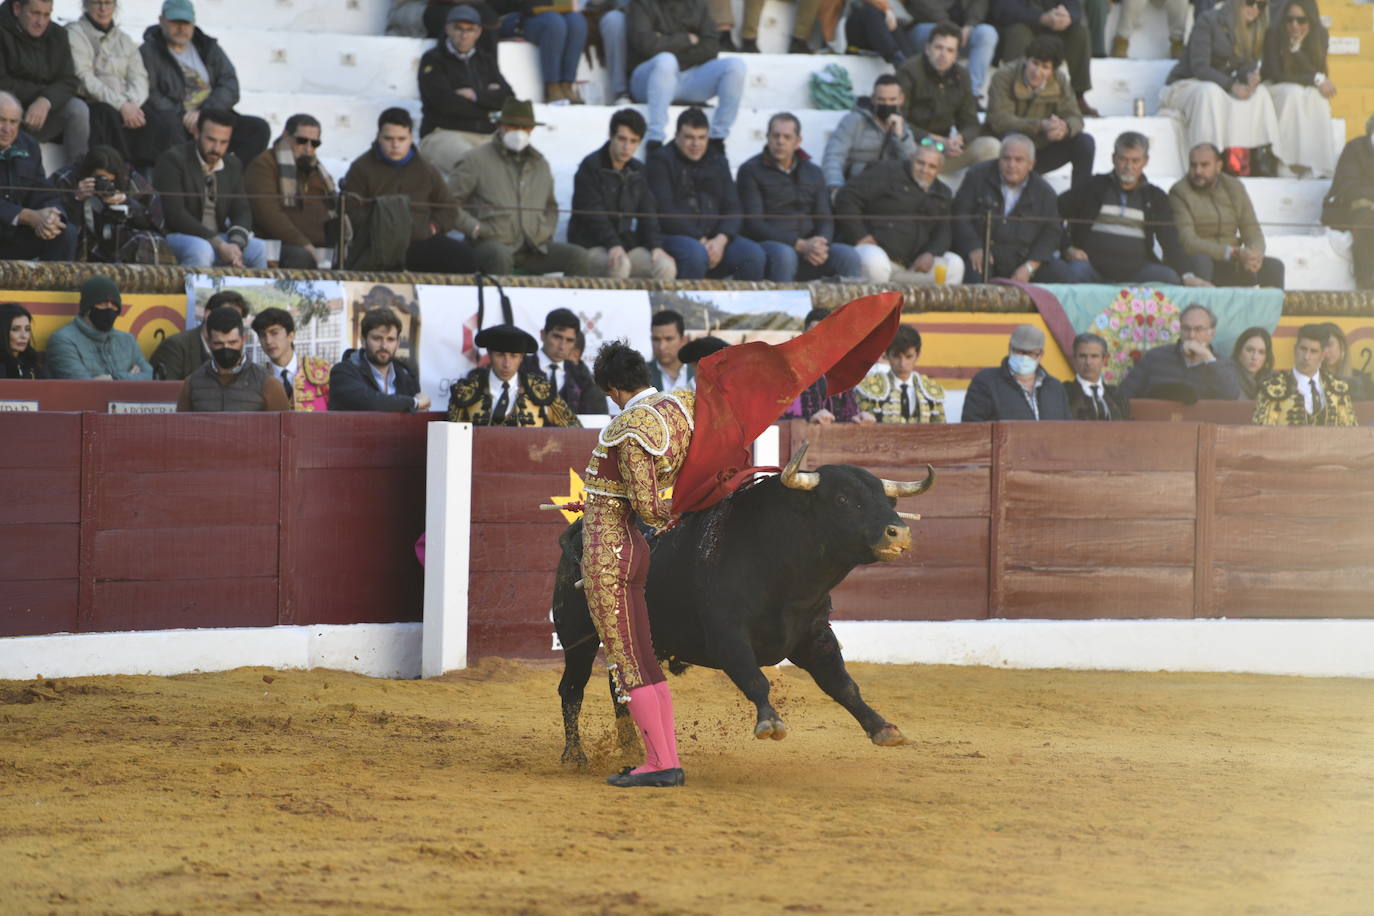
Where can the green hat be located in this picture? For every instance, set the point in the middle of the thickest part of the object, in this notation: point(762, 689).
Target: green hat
point(515, 113)
point(179, 11)
point(99, 289)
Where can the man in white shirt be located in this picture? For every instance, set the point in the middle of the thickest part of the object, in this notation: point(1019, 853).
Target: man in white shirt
point(667, 333)
point(305, 378)
point(503, 394)
point(1090, 397)
point(1308, 395)
point(572, 380)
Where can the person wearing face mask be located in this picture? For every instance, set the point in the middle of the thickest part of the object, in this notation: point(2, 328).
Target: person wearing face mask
point(293, 196)
point(1350, 203)
point(873, 131)
point(506, 204)
point(228, 381)
point(1020, 388)
point(90, 347)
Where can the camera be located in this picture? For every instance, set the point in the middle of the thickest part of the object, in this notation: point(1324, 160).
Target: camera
point(104, 186)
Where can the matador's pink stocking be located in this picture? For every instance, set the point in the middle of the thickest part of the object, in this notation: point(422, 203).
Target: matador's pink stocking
point(648, 712)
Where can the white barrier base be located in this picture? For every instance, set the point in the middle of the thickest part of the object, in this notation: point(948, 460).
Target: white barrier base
point(374, 649)
point(1310, 648)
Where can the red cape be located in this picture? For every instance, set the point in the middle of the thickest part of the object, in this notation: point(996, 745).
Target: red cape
point(742, 390)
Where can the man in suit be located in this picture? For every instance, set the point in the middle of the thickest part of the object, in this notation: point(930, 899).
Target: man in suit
point(572, 381)
point(1308, 395)
point(667, 333)
point(1090, 398)
point(370, 377)
point(504, 394)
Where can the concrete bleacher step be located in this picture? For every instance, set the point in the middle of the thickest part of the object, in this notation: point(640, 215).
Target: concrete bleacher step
point(348, 17)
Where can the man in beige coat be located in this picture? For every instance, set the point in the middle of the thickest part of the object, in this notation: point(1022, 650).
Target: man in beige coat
point(508, 211)
point(1217, 225)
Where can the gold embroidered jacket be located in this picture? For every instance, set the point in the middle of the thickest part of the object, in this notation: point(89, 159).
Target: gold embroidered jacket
point(535, 402)
point(880, 393)
point(640, 453)
point(1280, 403)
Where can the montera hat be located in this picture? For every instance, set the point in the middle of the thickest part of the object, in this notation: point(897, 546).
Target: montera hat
point(1028, 337)
point(464, 13)
point(505, 338)
point(700, 348)
point(516, 113)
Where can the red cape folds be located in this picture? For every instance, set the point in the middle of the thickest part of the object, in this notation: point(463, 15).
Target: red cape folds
point(742, 390)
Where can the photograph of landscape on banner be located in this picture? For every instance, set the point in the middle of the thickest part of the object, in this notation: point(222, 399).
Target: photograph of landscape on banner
point(317, 306)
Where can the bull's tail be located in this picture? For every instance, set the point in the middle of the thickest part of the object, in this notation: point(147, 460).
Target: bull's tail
point(572, 619)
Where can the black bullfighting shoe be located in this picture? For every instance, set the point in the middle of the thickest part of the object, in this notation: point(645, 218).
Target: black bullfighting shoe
point(658, 779)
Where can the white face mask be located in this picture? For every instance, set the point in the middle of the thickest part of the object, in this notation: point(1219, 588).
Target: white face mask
point(516, 140)
point(1021, 365)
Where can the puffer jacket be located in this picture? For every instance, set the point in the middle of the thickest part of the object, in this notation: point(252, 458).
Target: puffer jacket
point(783, 206)
point(1213, 219)
point(881, 202)
point(509, 194)
point(109, 67)
point(167, 84)
point(605, 200)
point(859, 141)
point(32, 67)
point(696, 199)
point(1013, 107)
point(79, 351)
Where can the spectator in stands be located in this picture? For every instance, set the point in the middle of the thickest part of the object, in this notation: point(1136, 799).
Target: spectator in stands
point(787, 210)
point(560, 33)
point(571, 380)
point(32, 224)
point(509, 213)
point(188, 71)
point(1350, 203)
point(1024, 214)
point(1188, 370)
point(117, 213)
point(1336, 360)
point(698, 207)
point(395, 167)
point(940, 100)
point(614, 216)
point(18, 359)
point(1115, 219)
point(1020, 388)
point(426, 19)
point(1030, 96)
point(611, 25)
point(1091, 398)
point(673, 57)
point(228, 381)
point(1295, 72)
point(112, 79)
point(36, 67)
point(183, 353)
point(816, 404)
point(90, 347)
point(1253, 355)
point(1021, 21)
point(1216, 85)
point(1132, 15)
point(461, 88)
point(504, 393)
point(901, 394)
point(723, 16)
point(880, 26)
point(874, 131)
point(1217, 225)
point(976, 38)
point(667, 334)
point(201, 184)
point(370, 377)
point(807, 11)
point(1307, 395)
point(897, 215)
point(303, 378)
point(293, 197)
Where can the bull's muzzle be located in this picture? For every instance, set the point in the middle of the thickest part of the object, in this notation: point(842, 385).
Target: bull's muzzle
point(896, 540)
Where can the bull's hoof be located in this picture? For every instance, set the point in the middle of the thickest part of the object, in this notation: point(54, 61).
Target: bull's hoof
point(888, 736)
point(574, 756)
point(770, 728)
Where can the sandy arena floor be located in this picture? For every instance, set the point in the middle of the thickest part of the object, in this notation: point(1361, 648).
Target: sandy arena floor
point(1022, 792)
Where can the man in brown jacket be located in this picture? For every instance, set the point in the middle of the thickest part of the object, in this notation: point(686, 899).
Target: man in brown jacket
point(1030, 96)
point(394, 167)
point(293, 195)
point(1217, 225)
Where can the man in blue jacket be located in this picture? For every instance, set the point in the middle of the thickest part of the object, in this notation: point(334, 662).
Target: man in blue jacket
point(370, 377)
point(699, 206)
point(90, 347)
point(31, 222)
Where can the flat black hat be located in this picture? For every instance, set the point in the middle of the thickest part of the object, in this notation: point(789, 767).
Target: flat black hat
point(505, 338)
point(700, 348)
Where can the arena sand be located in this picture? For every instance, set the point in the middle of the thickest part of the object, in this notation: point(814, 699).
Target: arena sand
point(1021, 792)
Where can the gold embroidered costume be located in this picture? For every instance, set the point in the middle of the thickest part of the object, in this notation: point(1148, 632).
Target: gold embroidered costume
point(1281, 403)
point(535, 403)
point(880, 393)
point(636, 457)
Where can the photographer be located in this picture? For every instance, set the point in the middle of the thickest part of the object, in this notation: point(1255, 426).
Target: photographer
point(116, 212)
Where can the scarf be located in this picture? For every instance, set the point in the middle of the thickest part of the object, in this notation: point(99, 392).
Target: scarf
point(102, 29)
point(13, 151)
point(287, 180)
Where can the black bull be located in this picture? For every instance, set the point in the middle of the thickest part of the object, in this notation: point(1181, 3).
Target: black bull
point(747, 583)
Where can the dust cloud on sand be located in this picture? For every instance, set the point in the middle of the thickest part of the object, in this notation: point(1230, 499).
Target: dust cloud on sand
point(1021, 792)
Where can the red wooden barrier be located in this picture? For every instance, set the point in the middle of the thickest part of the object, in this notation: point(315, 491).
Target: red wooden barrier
point(74, 395)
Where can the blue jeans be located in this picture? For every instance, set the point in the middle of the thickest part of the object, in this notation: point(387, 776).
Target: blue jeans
point(1071, 271)
point(194, 251)
point(785, 265)
point(659, 82)
point(561, 37)
point(743, 259)
point(982, 45)
point(613, 40)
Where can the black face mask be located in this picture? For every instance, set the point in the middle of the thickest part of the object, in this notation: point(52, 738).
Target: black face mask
point(883, 112)
point(102, 319)
point(226, 358)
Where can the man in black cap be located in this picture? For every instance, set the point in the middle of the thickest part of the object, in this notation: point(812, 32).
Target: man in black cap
point(370, 377)
point(572, 380)
point(228, 381)
point(91, 347)
point(502, 394)
point(461, 86)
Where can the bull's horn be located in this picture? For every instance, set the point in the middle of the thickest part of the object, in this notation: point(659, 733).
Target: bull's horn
point(798, 479)
point(912, 516)
point(896, 488)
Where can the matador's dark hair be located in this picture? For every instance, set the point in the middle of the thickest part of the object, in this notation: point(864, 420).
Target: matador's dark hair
point(619, 365)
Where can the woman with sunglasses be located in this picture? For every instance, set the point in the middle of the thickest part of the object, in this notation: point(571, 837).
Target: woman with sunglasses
point(293, 196)
point(1216, 85)
point(1295, 72)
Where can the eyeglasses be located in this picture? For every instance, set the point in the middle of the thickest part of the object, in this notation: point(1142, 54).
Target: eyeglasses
point(930, 141)
point(311, 140)
point(1297, 20)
